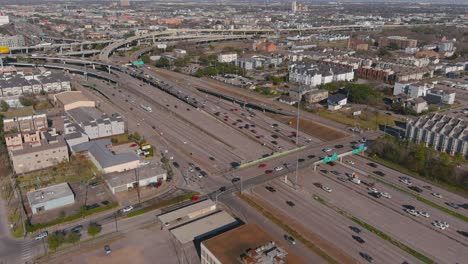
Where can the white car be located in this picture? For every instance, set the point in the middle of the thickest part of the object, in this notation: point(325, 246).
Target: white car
point(405, 181)
point(279, 168)
point(41, 235)
point(127, 209)
point(386, 195)
point(350, 162)
point(325, 188)
point(423, 214)
point(438, 225)
point(438, 195)
point(327, 149)
point(412, 212)
point(373, 190)
point(144, 163)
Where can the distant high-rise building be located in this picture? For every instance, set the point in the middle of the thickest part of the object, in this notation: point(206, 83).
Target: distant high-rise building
point(294, 7)
point(125, 2)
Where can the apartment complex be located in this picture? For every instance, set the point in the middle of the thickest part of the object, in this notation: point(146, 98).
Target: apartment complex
point(314, 74)
point(26, 123)
point(38, 152)
point(399, 41)
point(12, 41)
point(20, 83)
point(443, 133)
point(227, 57)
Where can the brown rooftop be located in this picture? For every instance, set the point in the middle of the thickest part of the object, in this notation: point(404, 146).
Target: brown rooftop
point(71, 97)
point(228, 247)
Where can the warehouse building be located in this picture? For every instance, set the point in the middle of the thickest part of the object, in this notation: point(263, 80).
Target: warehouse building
point(123, 181)
point(51, 197)
point(187, 213)
point(72, 99)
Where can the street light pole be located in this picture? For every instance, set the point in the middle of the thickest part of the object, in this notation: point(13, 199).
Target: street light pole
point(297, 134)
point(115, 218)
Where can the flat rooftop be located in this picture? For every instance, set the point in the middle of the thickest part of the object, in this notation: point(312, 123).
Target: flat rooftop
point(121, 178)
point(211, 223)
point(187, 210)
point(71, 97)
point(103, 155)
point(49, 193)
point(228, 246)
point(85, 114)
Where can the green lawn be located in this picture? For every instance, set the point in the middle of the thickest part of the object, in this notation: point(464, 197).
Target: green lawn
point(363, 121)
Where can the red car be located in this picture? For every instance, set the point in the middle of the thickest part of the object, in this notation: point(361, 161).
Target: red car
point(268, 171)
point(133, 145)
point(194, 198)
point(263, 165)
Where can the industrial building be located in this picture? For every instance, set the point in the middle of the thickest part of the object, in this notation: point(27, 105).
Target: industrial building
point(50, 197)
point(443, 133)
point(106, 160)
point(245, 244)
point(72, 99)
point(187, 213)
point(123, 181)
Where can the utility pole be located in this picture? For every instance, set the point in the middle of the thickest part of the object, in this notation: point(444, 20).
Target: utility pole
point(137, 178)
point(297, 135)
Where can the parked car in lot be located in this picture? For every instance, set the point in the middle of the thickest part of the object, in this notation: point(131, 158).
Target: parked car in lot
point(327, 189)
point(358, 239)
point(311, 156)
point(107, 249)
point(127, 209)
point(290, 239)
point(339, 146)
point(318, 184)
point(235, 179)
point(290, 203)
point(350, 162)
point(176, 165)
point(41, 235)
point(327, 149)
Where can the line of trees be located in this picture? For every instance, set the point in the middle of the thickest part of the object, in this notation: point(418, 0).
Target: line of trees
point(427, 162)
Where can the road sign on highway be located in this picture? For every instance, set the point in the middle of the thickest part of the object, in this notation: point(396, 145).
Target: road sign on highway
point(137, 63)
point(334, 157)
point(326, 159)
point(4, 49)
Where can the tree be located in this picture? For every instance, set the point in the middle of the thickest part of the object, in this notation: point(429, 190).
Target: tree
point(4, 106)
point(94, 229)
point(383, 52)
point(392, 46)
point(26, 101)
point(72, 238)
point(55, 240)
point(163, 63)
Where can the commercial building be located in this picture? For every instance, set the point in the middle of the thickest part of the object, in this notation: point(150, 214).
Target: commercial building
point(227, 57)
point(12, 41)
point(96, 124)
point(187, 213)
point(413, 90)
point(436, 96)
point(4, 19)
point(314, 74)
point(51, 197)
point(100, 152)
point(123, 181)
point(315, 96)
point(72, 99)
point(399, 41)
point(46, 151)
point(443, 133)
point(26, 123)
point(245, 244)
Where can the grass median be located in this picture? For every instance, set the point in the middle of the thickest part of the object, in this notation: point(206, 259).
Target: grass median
point(163, 203)
point(288, 229)
point(379, 233)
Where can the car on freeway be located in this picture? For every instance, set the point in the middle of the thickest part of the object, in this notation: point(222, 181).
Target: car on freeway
point(439, 224)
point(427, 187)
point(335, 172)
point(327, 150)
point(327, 189)
point(425, 214)
point(77, 229)
point(41, 235)
point(453, 205)
point(350, 162)
point(318, 184)
point(107, 249)
point(463, 233)
point(339, 146)
point(279, 168)
point(374, 190)
point(416, 189)
point(438, 195)
point(343, 179)
point(372, 164)
point(290, 239)
point(235, 179)
point(195, 198)
point(263, 165)
point(386, 195)
point(311, 156)
point(176, 165)
point(268, 171)
point(375, 194)
point(411, 212)
point(355, 229)
point(270, 189)
point(290, 203)
point(127, 209)
point(324, 171)
point(358, 239)
point(405, 181)
point(379, 173)
point(366, 257)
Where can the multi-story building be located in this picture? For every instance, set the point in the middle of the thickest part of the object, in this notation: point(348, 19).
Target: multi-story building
point(19, 84)
point(49, 151)
point(26, 123)
point(12, 41)
point(227, 57)
point(413, 90)
point(314, 74)
point(443, 133)
point(399, 41)
point(440, 97)
point(96, 124)
point(4, 19)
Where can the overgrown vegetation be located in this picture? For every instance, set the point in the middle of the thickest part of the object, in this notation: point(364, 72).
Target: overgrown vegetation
point(219, 68)
point(94, 229)
point(162, 204)
point(427, 162)
point(362, 94)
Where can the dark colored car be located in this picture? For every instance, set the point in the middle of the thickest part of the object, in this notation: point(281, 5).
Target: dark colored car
point(339, 146)
point(372, 164)
point(290, 203)
point(268, 171)
point(176, 164)
point(271, 189)
point(358, 239)
point(318, 184)
point(77, 229)
point(416, 189)
point(105, 202)
point(453, 205)
point(367, 257)
point(335, 172)
point(301, 160)
point(379, 173)
point(222, 189)
point(93, 184)
point(324, 171)
point(375, 194)
point(212, 158)
point(311, 156)
point(236, 179)
point(427, 187)
point(355, 229)
point(107, 249)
